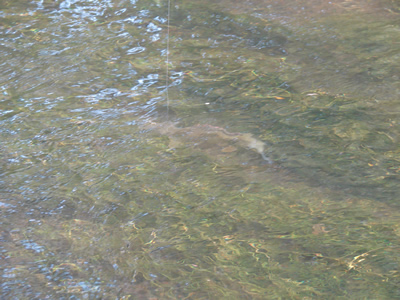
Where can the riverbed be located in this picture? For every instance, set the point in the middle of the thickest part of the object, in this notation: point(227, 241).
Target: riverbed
point(263, 163)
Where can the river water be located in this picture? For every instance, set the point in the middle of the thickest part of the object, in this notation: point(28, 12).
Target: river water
point(271, 170)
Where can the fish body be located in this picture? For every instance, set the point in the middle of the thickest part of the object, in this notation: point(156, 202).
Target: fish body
point(199, 134)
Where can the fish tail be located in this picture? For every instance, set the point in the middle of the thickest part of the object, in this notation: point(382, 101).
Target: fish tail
point(266, 158)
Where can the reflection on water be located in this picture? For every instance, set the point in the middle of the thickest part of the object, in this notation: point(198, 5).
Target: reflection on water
point(340, 45)
point(273, 171)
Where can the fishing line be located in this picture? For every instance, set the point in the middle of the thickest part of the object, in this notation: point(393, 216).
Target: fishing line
point(167, 67)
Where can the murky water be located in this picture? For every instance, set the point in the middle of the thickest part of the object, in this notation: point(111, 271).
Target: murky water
point(271, 173)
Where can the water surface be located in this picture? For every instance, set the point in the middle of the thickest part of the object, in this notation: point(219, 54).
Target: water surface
point(271, 173)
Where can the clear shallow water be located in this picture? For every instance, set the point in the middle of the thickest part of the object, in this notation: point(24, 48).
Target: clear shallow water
point(108, 192)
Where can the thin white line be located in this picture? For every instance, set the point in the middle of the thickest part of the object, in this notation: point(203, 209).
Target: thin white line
point(167, 70)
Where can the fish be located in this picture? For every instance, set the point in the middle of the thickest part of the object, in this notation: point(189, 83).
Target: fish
point(199, 134)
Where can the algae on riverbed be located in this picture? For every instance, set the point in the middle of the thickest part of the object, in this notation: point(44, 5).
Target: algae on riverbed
point(95, 204)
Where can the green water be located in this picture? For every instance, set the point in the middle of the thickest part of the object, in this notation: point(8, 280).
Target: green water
point(109, 191)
